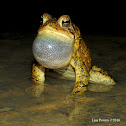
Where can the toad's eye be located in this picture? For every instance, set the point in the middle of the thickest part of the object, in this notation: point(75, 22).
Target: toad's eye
point(45, 17)
point(64, 21)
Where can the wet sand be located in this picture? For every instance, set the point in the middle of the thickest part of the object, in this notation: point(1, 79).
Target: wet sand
point(56, 107)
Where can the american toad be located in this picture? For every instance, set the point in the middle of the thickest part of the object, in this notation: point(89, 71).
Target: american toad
point(59, 45)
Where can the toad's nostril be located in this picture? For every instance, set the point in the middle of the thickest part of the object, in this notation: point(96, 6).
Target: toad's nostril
point(51, 52)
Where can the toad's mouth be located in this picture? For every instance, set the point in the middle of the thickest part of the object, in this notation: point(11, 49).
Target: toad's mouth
point(52, 52)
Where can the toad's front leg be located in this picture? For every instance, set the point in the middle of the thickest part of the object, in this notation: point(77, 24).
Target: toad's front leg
point(82, 76)
point(38, 77)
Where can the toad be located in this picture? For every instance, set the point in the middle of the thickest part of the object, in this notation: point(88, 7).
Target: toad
point(59, 46)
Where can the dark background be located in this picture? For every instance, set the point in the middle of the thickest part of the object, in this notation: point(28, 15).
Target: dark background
point(92, 18)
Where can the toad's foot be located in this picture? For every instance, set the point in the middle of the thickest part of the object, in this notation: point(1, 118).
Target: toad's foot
point(35, 90)
point(99, 76)
point(38, 77)
point(79, 88)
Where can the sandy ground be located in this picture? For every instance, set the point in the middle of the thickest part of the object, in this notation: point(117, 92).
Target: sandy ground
point(56, 107)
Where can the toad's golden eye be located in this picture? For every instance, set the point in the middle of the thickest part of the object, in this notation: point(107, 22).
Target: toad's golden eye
point(64, 21)
point(46, 17)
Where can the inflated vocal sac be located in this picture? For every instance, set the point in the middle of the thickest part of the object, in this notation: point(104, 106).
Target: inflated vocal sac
point(52, 52)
